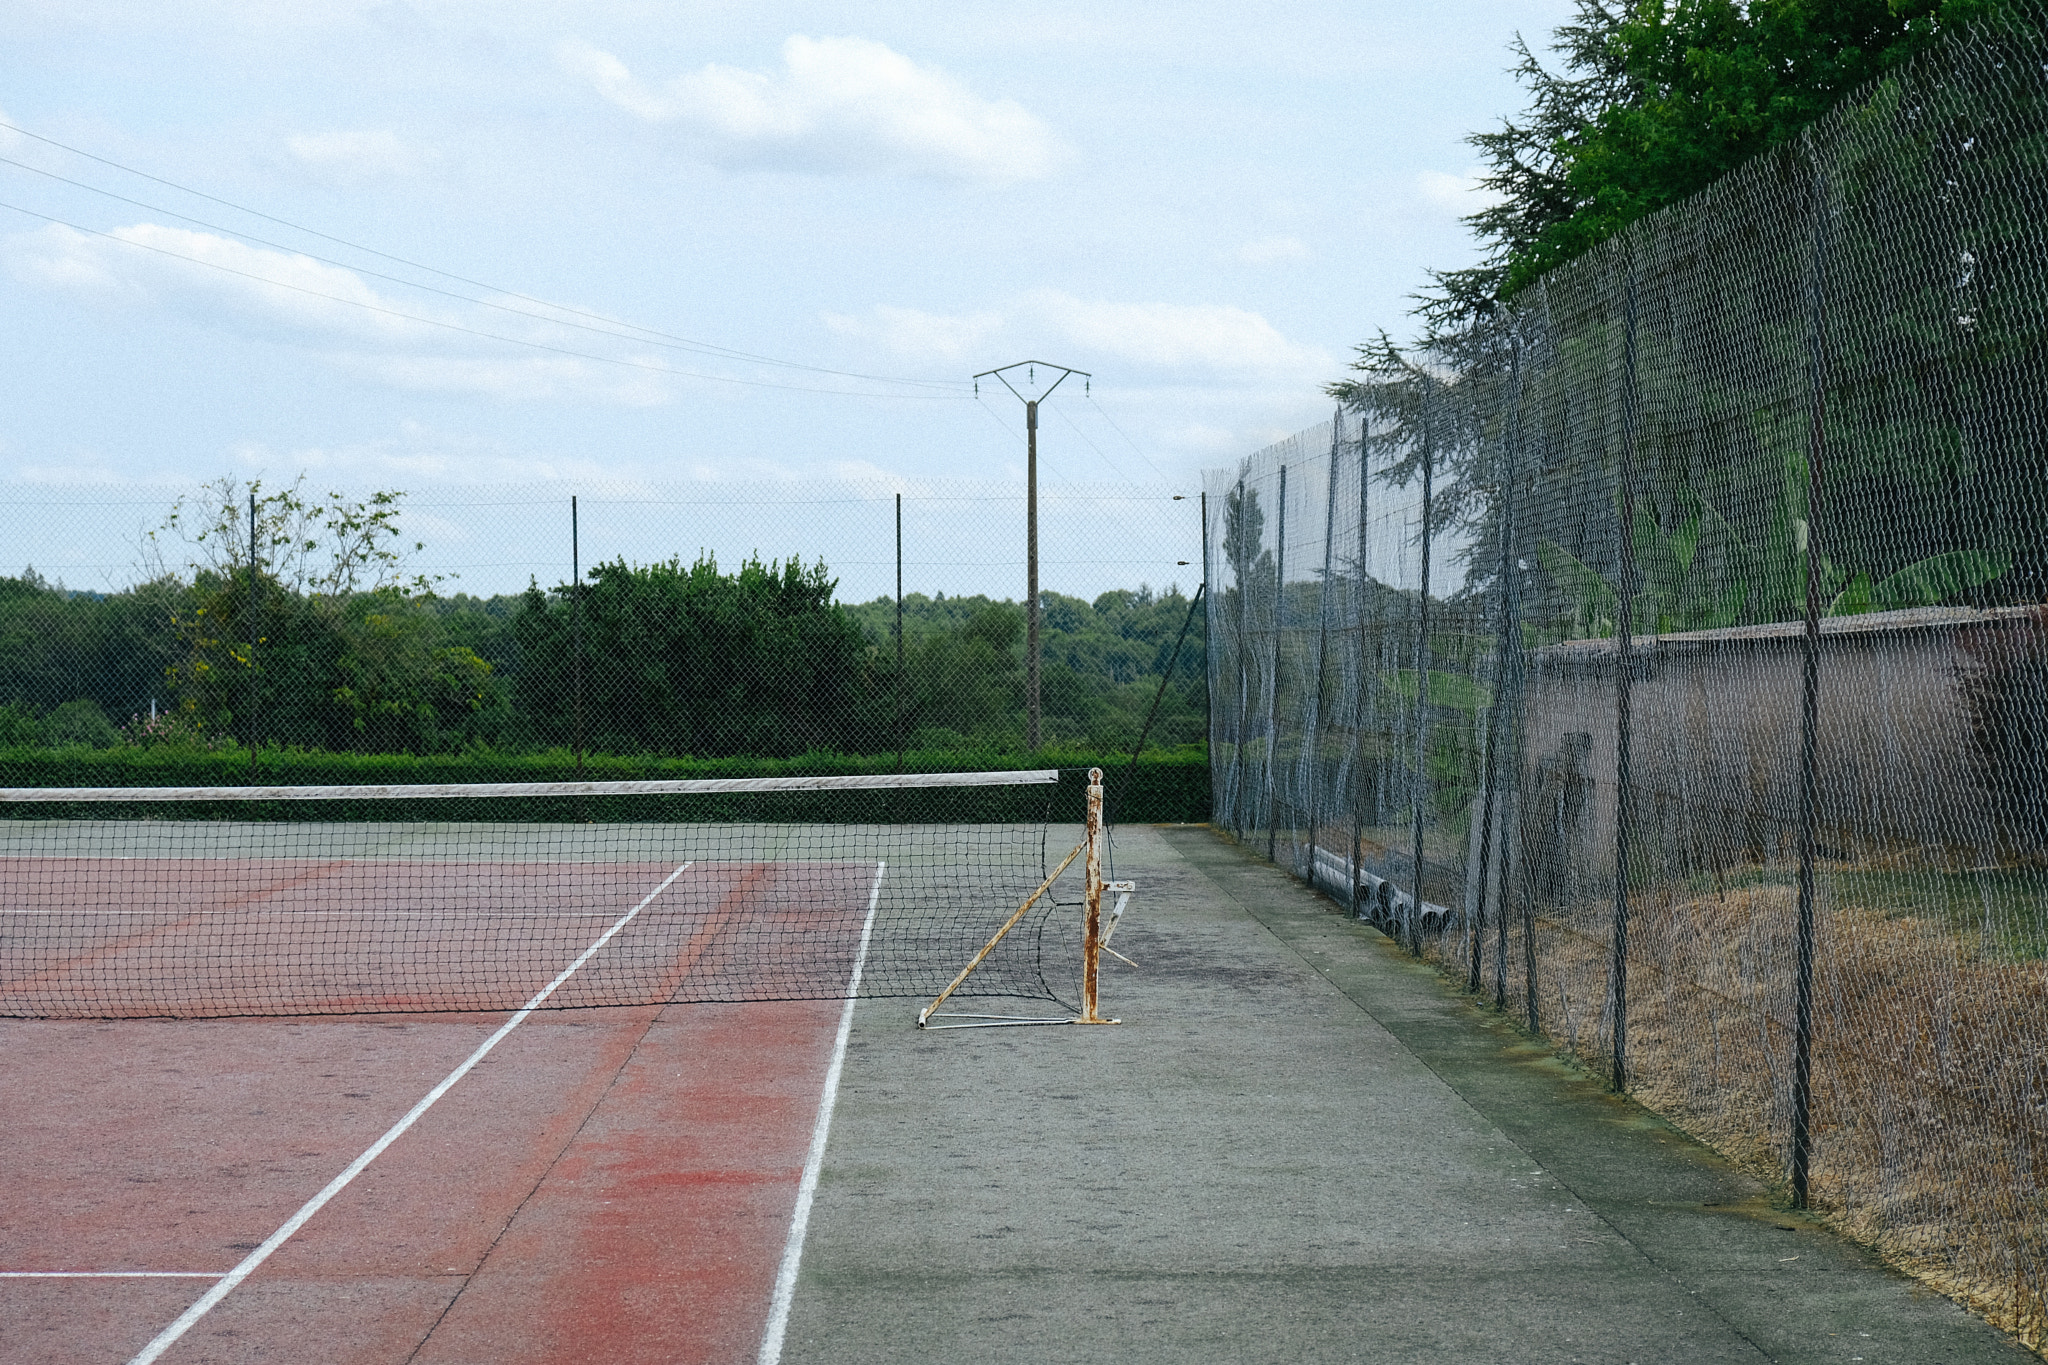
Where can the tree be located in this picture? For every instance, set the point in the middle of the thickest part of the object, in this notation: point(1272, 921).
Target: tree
point(59, 646)
point(963, 684)
point(301, 623)
point(1652, 101)
point(690, 660)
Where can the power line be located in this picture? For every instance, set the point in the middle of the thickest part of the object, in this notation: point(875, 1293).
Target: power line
point(474, 331)
point(651, 333)
point(1009, 432)
point(645, 338)
point(1100, 453)
point(1090, 396)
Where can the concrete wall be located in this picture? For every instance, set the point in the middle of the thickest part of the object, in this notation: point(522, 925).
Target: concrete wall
point(1716, 733)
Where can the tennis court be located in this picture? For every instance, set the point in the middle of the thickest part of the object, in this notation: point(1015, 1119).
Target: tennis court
point(613, 1184)
point(1298, 1147)
point(449, 1091)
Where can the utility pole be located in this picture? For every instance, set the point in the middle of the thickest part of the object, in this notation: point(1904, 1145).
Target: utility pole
point(1030, 367)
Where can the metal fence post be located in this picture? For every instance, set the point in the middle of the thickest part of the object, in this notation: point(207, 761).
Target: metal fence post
point(1208, 652)
point(1476, 931)
point(1313, 763)
point(252, 633)
point(1238, 811)
point(1809, 701)
point(1273, 690)
point(1508, 694)
point(1421, 782)
point(576, 635)
point(1361, 706)
point(902, 715)
point(1624, 675)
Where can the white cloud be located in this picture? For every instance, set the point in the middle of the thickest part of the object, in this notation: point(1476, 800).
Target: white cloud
point(836, 105)
point(931, 336)
point(1270, 250)
point(210, 275)
point(407, 343)
point(1456, 195)
point(521, 379)
point(76, 470)
point(359, 155)
point(1177, 336)
point(416, 455)
point(1209, 340)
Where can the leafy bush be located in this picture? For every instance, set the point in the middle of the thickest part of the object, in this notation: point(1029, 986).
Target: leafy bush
point(79, 722)
point(19, 728)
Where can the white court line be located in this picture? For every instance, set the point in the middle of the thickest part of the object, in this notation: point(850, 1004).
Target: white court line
point(110, 1274)
point(814, 1162)
point(297, 916)
point(467, 917)
point(169, 1336)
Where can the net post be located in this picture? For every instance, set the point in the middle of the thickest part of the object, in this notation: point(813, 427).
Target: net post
point(1091, 935)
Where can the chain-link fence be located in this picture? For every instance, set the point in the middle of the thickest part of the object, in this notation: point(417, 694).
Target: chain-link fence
point(282, 633)
point(1667, 658)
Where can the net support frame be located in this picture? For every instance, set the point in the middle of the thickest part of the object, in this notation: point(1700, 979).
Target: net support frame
point(1094, 940)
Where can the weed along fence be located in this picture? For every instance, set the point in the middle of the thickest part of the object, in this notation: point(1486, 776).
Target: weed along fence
point(1666, 658)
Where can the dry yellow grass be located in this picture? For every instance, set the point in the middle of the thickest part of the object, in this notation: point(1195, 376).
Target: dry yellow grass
point(1930, 1070)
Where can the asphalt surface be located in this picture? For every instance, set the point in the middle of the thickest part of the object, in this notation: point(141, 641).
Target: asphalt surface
point(1299, 1146)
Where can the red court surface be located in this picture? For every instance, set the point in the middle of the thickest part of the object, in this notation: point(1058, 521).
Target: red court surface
point(608, 1184)
point(197, 937)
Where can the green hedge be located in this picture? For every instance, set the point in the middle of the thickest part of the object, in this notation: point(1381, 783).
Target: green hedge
point(1167, 785)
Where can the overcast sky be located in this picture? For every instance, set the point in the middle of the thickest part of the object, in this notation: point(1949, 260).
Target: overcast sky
point(1206, 205)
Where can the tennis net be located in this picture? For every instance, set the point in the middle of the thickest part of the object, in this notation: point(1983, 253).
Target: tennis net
point(221, 902)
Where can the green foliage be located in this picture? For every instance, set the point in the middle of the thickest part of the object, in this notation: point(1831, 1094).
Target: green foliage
point(19, 728)
point(58, 646)
point(1102, 661)
point(172, 730)
point(326, 546)
point(690, 660)
point(1649, 102)
point(1452, 691)
point(79, 723)
point(324, 644)
point(1701, 574)
point(300, 625)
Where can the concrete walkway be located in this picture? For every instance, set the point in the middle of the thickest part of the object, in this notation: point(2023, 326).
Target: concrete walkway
point(1299, 1147)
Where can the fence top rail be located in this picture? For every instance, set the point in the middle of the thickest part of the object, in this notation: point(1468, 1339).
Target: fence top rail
point(1872, 623)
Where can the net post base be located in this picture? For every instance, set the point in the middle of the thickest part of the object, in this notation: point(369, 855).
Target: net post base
point(998, 1021)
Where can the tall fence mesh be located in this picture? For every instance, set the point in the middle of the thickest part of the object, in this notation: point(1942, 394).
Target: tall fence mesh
point(1667, 658)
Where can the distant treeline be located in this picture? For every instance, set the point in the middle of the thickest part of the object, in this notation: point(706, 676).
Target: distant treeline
point(669, 659)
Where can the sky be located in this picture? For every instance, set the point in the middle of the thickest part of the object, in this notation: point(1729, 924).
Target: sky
point(723, 272)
